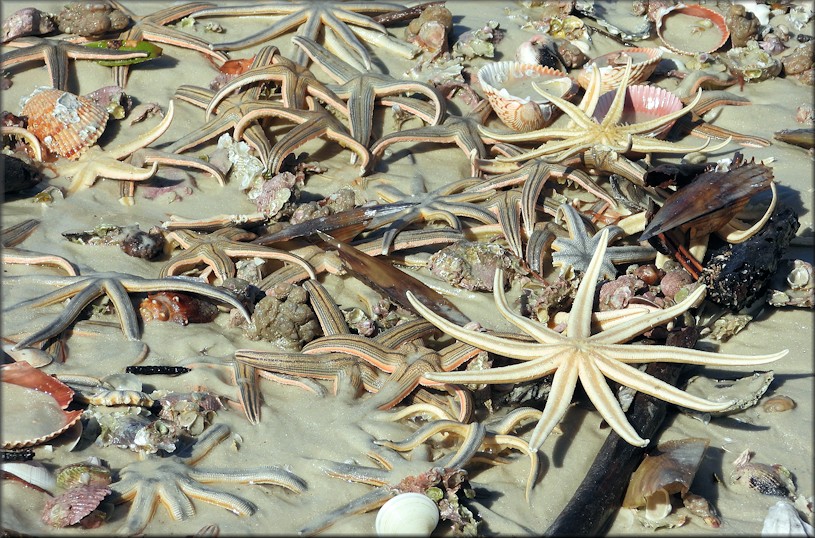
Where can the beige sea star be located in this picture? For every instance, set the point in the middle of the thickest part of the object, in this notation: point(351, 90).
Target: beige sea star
point(578, 354)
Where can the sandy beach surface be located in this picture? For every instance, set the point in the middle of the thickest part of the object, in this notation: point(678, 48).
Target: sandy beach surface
point(299, 430)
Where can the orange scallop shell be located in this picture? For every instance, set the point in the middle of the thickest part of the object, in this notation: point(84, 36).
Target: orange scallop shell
point(65, 123)
point(705, 16)
point(642, 103)
point(612, 67)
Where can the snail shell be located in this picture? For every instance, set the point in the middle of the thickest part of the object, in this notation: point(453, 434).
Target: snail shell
point(410, 514)
point(65, 123)
point(177, 307)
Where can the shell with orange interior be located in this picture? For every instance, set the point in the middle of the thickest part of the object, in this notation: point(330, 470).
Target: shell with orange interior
point(644, 61)
point(65, 123)
point(692, 29)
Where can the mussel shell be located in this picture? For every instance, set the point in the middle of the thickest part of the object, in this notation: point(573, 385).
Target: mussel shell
point(65, 123)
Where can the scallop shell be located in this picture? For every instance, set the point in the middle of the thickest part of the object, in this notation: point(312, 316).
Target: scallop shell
point(73, 505)
point(508, 87)
point(641, 103)
point(692, 30)
point(753, 64)
point(65, 123)
point(82, 474)
point(612, 67)
point(37, 402)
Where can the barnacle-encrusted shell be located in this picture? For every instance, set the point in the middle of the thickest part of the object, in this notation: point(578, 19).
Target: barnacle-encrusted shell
point(70, 507)
point(66, 123)
point(642, 103)
point(508, 87)
point(82, 474)
point(752, 63)
point(612, 67)
point(692, 29)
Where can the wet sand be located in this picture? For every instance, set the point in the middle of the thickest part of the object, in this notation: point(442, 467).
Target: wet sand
point(299, 429)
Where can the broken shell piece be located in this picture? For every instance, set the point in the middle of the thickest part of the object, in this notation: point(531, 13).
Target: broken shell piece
point(642, 103)
point(692, 30)
point(37, 402)
point(410, 514)
point(612, 67)
point(619, 18)
point(765, 479)
point(668, 470)
point(508, 87)
point(783, 520)
point(752, 63)
point(31, 473)
point(744, 392)
point(65, 123)
point(25, 22)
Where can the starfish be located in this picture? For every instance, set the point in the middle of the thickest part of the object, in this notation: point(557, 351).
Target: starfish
point(56, 53)
point(295, 82)
point(446, 203)
point(577, 249)
point(171, 481)
point(96, 162)
point(312, 15)
point(586, 132)
point(460, 130)
point(215, 250)
point(13, 235)
point(84, 289)
point(153, 28)
point(360, 87)
point(579, 355)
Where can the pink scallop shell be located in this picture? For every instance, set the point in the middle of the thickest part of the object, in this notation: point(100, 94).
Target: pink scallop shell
point(65, 123)
point(521, 114)
point(23, 374)
point(611, 74)
point(73, 505)
point(641, 100)
point(695, 11)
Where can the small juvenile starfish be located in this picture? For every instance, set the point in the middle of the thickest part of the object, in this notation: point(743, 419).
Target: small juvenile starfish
point(96, 162)
point(173, 480)
point(215, 250)
point(585, 132)
point(84, 289)
point(578, 355)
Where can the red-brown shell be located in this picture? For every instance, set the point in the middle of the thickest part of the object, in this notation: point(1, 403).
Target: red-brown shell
point(65, 123)
point(26, 376)
point(691, 46)
point(177, 307)
point(73, 505)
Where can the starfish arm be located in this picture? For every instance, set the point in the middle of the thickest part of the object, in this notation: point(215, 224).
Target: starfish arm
point(345, 33)
point(615, 110)
point(580, 316)
point(124, 308)
point(70, 286)
point(215, 259)
point(233, 503)
point(560, 397)
point(171, 36)
point(361, 111)
point(267, 474)
point(206, 442)
point(317, 366)
point(578, 116)
point(485, 341)
point(328, 314)
point(545, 364)
point(538, 331)
point(424, 433)
point(17, 255)
point(358, 346)
point(510, 441)
point(598, 391)
point(631, 377)
point(335, 67)
point(280, 27)
point(566, 148)
point(149, 155)
point(634, 354)
point(177, 504)
point(593, 92)
point(456, 354)
point(145, 498)
point(189, 286)
point(645, 144)
point(529, 136)
point(370, 501)
point(123, 150)
point(241, 250)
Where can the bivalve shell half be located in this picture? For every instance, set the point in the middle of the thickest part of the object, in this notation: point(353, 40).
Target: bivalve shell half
point(612, 67)
point(753, 64)
point(36, 404)
point(692, 30)
point(508, 87)
point(73, 505)
point(82, 474)
point(642, 103)
point(410, 514)
point(65, 123)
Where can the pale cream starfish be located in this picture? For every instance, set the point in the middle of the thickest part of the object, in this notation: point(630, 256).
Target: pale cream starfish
point(584, 132)
point(578, 354)
point(97, 162)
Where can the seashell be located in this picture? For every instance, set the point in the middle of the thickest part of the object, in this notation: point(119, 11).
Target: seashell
point(765, 479)
point(618, 18)
point(744, 392)
point(743, 27)
point(177, 307)
point(121, 397)
point(73, 505)
point(66, 123)
point(778, 404)
point(612, 67)
point(540, 49)
point(752, 63)
point(642, 103)
point(25, 22)
point(783, 520)
point(508, 87)
point(82, 474)
point(32, 473)
point(692, 30)
point(408, 514)
point(33, 356)
point(668, 470)
point(37, 402)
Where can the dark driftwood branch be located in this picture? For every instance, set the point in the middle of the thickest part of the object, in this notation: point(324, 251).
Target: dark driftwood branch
point(601, 492)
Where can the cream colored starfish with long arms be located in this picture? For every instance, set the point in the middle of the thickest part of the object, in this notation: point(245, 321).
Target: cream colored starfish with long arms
point(585, 132)
point(578, 354)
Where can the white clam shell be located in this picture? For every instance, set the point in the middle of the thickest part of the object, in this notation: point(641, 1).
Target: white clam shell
point(783, 520)
point(407, 514)
point(32, 472)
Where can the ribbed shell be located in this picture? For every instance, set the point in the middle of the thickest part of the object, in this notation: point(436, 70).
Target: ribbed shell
point(612, 67)
point(82, 474)
point(649, 101)
point(70, 507)
point(65, 123)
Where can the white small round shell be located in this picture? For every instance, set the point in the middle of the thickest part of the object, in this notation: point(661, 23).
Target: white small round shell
point(408, 514)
